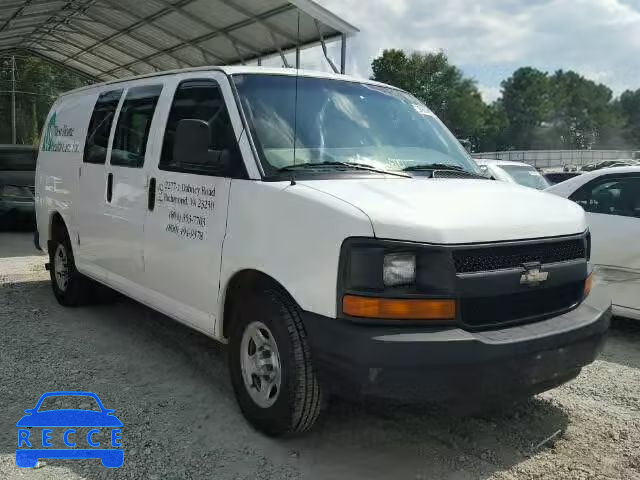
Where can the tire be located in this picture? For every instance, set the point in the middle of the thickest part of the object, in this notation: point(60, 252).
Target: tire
point(77, 289)
point(298, 399)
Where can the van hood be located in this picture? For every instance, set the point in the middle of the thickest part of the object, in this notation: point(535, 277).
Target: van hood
point(448, 211)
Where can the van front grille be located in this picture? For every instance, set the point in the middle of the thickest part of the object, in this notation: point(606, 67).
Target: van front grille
point(519, 307)
point(500, 257)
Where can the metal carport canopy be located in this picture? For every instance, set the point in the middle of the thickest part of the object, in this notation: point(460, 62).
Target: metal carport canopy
point(107, 39)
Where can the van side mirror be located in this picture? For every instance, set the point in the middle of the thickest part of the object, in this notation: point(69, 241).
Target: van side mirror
point(191, 147)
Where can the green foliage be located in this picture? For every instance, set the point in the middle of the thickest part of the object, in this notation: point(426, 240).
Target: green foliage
point(492, 137)
point(629, 108)
point(440, 85)
point(527, 103)
point(537, 110)
point(38, 83)
point(561, 111)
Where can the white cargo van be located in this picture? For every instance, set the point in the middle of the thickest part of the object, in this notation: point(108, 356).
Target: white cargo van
point(330, 229)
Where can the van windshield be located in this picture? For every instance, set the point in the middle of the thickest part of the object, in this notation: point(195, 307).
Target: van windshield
point(330, 123)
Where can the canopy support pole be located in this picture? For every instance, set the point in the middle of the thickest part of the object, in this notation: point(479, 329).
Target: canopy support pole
point(324, 47)
point(285, 62)
point(237, 50)
point(13, 100)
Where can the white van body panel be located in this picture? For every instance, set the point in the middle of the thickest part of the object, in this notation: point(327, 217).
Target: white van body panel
point(195, 72)
point(475, 210)
point(293, 233)
point(182, 267)
point(59, 161)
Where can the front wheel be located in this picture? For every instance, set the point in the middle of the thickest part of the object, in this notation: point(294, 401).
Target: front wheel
point(270, 362)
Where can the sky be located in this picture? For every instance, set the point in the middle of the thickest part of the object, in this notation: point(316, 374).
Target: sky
point(489, 39)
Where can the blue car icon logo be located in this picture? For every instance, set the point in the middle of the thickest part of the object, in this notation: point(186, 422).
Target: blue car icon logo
point(63, 424)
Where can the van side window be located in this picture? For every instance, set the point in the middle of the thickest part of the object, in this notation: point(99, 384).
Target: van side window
point(134, 123)
point(202, 100)
point(95, 148)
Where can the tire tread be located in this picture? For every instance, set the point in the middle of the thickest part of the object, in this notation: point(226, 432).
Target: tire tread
point(308, 395)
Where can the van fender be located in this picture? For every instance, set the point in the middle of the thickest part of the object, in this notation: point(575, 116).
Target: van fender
point(291, 234)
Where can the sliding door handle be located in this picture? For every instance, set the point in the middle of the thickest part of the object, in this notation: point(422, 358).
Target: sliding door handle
point(109, 187)
point(151, 200)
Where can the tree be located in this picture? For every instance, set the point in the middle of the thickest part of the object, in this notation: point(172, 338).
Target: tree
point(39, 83)
point(561, 111)
point(629, 107)
point(526, 101)
point(582, 115)
point(441, 86)
point(492, 137)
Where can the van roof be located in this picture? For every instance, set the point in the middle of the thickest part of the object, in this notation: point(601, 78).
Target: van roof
point(234, 70)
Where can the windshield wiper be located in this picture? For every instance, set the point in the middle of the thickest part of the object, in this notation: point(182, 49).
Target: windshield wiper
point(354, 165)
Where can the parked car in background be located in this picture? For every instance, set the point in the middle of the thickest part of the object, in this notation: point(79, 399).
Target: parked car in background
point(513, 172)
point(17, 183)
point(557, 177)
point(609, 164)
point(611, 198)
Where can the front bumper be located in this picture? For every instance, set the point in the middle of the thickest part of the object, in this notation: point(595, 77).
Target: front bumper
point(449, 363)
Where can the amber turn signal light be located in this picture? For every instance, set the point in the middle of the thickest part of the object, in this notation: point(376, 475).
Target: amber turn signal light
point(398, 309)
point(588, 284)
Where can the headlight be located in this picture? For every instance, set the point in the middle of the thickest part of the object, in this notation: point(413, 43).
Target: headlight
point(386, 279)
point(399, 269)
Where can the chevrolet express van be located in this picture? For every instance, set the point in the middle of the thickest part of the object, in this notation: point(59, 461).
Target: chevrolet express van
point(331, 230)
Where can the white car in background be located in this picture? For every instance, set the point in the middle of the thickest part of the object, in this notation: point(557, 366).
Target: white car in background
point(513, 172)
point(611, 198)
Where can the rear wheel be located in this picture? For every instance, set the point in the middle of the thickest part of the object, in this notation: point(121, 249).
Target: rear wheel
point(270, 363)
point(70, 287)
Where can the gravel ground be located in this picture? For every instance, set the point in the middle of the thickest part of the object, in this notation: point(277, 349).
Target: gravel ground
point(169, 386)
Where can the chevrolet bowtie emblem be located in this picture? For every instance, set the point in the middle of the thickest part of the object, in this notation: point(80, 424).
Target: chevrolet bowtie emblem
point(533, 276)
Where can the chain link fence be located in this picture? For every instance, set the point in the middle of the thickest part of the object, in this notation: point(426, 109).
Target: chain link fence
point(560, 158)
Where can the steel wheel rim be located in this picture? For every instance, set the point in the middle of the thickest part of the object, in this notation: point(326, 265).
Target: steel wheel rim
point(260, 364)
point(61, 267)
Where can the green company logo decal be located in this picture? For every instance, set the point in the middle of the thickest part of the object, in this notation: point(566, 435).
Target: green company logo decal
point(49, 136)
point(52, 141)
